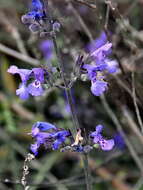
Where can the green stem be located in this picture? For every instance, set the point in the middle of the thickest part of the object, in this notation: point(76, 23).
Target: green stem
point(86, 171)
point(69, 98)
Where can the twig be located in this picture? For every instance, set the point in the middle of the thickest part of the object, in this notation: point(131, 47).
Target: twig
point(132, 6)
point(139, 184)
point(80, 20)
point(132, 124)
point(117, 183)
point(20, 56)
point(125, 87)
point(107, 18)
point(28, 159)
point(135, 103)
point(83, 2)
point(86, 171)
point(18, 108)
point(14, 32)
point(120, 129)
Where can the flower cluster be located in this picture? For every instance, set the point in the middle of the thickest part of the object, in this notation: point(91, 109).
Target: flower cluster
point(100, 140)
point(55, 138)
point(48, 135)
point(34, 87)
point(37, 17)
point(99, 50)
point(32, 81)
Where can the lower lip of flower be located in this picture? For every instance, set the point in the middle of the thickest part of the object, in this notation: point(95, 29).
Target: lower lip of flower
point(37, 84)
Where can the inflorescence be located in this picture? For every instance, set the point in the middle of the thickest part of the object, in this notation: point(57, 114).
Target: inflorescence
point(96, 66)
point(51, 137)
point(36, 19)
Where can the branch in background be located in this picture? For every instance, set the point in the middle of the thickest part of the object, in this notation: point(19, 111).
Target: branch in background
point(131, 123)
point(18, 108)
point(14, 32)
point(135, 103)
point(104, 173)
point(80, 20)
point(20, 56)
point(83, 2)
point(120, 130)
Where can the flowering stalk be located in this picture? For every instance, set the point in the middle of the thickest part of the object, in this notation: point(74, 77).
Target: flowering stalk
point(45, 134)
point(61, 66)
point(73, 111)
point(70, 101)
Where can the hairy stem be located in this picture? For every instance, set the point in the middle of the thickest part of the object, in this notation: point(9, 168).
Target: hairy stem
point(69, 97)
point(67, 90)
point(86, 171)
point(73, 113)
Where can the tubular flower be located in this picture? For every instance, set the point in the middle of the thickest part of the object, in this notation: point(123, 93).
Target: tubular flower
point(48, 135)
point(25, 88)
point(36, 12)
point(99, 50)
point(100, 140)
point(36, 19)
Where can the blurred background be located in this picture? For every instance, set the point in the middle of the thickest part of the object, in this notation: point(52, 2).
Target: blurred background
point(120, 111)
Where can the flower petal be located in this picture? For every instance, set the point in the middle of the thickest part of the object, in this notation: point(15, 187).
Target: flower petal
point(38, 74)
point(34, 148)
point(35, 88)
point(22, 92)
point(43, 126)
point(24, 73)
point(112, 65)
point(95, 44)
point(107, 144)
point(98, 87)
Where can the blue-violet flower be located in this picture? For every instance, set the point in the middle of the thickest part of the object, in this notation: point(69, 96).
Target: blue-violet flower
point(35, 87)
point(100, 140)
point(99, 50)
point(48, 135)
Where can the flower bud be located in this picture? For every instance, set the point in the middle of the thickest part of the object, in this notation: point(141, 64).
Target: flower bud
point(87, 149)
point(44, 34)
point(34, 28)
point(56, 26)
point(26, 19)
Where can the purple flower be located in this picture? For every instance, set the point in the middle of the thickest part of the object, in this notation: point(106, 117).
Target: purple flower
point(101, 53)
point(111, 65)
point(35, 87)
point(46, 47)
point(99, 50)
point(41, 126)
point(119, 141)
point(60, 137)
point(98, 87)
point(100, 140)
point(35, 16)
point(56, 26)
point(95, 44)
point(24, 73)
point(34, 148)
point(22, 92)
point(37, 5)
point(93, 69)
point(48, 135)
